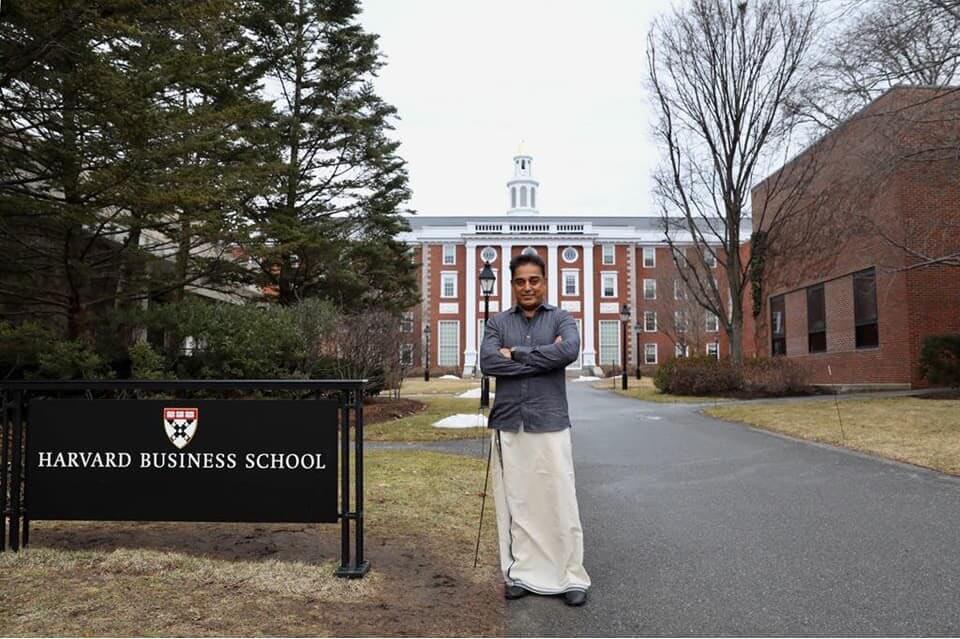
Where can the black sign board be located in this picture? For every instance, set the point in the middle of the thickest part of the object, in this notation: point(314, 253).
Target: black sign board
point(183, 460)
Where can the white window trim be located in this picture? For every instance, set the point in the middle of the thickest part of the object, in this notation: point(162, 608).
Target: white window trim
point(708, 257)
point(717, 345)
point(653, 254)
point(453, 255)
point(603, 292)
point(603, 254)
point(650, 330)
point(576, 254)
point(443, 275)
point(619, 352)
point(706, 323)
point(491, 260)
point(655, 354)
point(407, 320)
point(576, 282)
point(645, 289)
point(680, 321)
point(681, 350)
point(439, 348)
point(678, 290)
point(406, 348)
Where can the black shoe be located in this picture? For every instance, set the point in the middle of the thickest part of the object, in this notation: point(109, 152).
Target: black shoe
point(575, 597)
point(514, 592)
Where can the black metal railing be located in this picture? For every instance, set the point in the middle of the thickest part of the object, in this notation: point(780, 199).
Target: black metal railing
point(15, 444)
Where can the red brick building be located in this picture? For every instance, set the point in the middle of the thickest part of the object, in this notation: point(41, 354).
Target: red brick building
point(853, 303)
point(595, 265)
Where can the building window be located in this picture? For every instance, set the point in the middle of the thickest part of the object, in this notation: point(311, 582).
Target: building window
point(650, 321)
point(488, 254)
point(649, 353)
point(649, 257)
point(679, 290)
point(448, 283)
point(406, 354)
point(609, 342)
point(680, 321)
point(533, 197)
point(681, 350)
point(571, 283)
point(513, 197)
point(710, 260)
point(778, 326)
point(529, 251)
point(608, 255)
point(608, 285)
point(570, 255)
point(816, 320)
point(649, 289)
point(865, 309)
point(712, 323)
point(523, 197)
point(448, 343)
point(449, 254)
point(406, 322)
point(713, 349)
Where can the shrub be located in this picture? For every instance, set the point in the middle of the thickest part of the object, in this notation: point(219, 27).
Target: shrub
point(940, 360)
point(146, 363)
point(31, 351)
point(773, 376)
point(697, 376)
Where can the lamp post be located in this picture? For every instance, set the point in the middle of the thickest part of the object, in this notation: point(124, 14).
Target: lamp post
point(487, 282)
point(624, 320)
point(637, 328)
point(426, 353)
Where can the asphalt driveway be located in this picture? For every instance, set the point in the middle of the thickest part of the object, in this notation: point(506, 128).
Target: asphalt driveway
point(699, 527)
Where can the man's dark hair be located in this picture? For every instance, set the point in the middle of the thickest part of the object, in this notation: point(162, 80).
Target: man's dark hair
point(525, 258)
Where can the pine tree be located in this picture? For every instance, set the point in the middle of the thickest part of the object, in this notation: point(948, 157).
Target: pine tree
point(329, 230)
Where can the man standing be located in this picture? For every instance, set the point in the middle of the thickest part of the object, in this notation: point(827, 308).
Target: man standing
point(527, 348)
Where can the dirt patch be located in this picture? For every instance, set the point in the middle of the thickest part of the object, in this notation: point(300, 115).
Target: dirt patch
point(382, 409)
point(176, 579)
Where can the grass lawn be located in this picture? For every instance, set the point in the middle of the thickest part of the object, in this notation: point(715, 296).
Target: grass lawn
point(419, 426)
point(175, 579)
point(919, 431)
point(645, 390)
point(415, 386)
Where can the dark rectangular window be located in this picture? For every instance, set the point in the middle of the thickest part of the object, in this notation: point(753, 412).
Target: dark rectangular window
point(816, 319)
point(778, 326)
point(865, 308)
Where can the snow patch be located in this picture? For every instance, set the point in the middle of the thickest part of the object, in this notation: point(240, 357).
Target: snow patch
point(448, 377)
point(462, 420)
point(586, 378)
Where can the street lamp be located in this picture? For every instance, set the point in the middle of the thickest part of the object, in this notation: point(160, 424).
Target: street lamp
point(637, 328)
point(426, 354)
point(487, 283)
point(624, 320)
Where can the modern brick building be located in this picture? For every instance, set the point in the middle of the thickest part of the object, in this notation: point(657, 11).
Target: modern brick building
point(595, 265)
point(853, 306)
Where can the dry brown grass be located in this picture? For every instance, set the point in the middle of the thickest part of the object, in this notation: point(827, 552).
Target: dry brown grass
point(416, 387)
point(925, 432)
point(419, 426)
point(644, 389)
point(147, 579)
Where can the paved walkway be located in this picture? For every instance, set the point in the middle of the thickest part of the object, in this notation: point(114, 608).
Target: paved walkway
point(695, 526)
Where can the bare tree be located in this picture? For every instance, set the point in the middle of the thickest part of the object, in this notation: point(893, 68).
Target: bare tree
point(720, 73)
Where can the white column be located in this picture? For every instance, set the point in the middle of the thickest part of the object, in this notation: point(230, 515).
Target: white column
point(589, 355)
point(505, 292)
point(553, 288)
point(470, 312)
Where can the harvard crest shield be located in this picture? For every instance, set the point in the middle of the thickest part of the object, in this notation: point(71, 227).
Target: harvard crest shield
point(180, 424)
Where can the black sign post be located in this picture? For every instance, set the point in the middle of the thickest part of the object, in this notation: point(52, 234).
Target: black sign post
point(73, 451)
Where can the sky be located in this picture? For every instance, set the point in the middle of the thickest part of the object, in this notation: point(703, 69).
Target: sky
point(472, 80)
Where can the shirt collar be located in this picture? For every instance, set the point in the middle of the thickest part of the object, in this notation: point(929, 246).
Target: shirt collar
point(516, 308)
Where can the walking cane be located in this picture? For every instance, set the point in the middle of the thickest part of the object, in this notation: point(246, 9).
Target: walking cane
point(483, 503)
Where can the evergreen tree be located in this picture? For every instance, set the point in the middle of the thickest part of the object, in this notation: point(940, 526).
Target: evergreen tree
point(329, 230)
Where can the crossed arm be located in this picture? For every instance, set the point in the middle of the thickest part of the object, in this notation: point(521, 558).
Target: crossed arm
point(529, 360)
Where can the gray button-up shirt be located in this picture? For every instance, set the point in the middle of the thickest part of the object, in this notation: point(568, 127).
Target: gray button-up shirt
point(531, 387)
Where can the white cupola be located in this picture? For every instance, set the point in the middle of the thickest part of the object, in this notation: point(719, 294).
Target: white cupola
point(522, 188)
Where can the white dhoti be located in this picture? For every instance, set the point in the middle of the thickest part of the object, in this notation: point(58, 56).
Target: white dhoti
point(538, 520)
